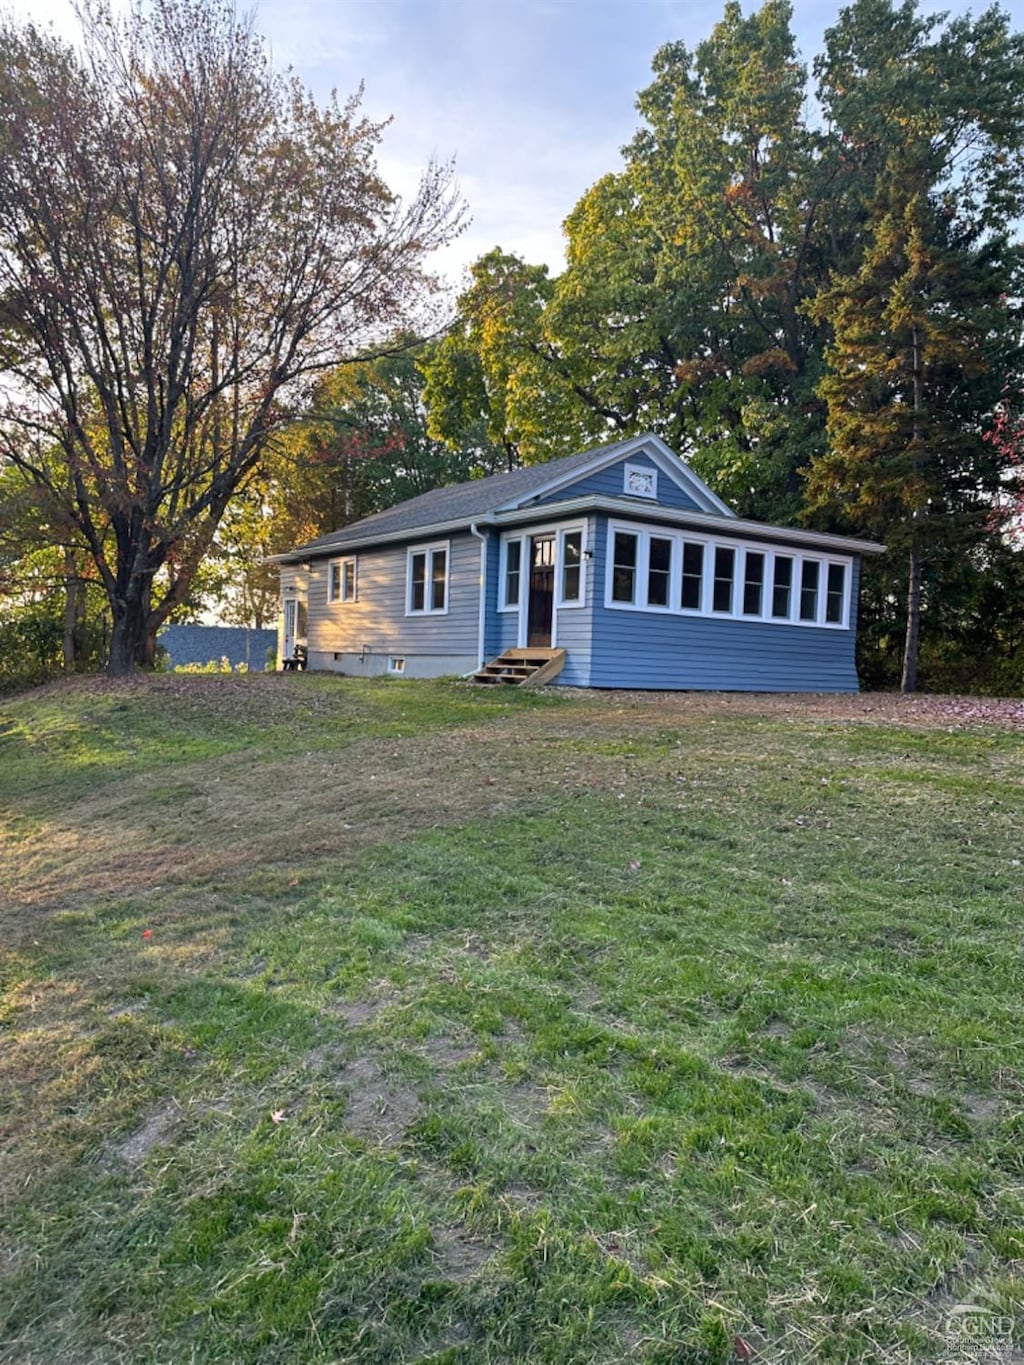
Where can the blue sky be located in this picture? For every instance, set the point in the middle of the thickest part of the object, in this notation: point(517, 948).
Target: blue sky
point(532, 98)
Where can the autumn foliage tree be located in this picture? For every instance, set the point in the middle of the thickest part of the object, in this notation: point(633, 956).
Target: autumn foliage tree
point(187, 239)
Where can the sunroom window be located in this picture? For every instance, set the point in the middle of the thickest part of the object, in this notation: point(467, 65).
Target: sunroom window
point(809, 577)
point(659, 571)
point(753, 582)
point(782, 586)
point(835, 592)
point(693, 575)
point(624, 567)
point(725, 568)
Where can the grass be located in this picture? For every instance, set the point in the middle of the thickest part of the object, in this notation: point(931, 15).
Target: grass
point(406, 1022)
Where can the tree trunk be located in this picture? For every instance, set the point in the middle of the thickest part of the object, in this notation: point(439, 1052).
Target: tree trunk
point(128, 639)
point(908, 682)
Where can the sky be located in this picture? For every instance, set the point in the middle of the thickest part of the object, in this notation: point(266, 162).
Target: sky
point(532, 98)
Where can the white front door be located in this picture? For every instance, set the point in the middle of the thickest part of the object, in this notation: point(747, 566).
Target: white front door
point(291, 622)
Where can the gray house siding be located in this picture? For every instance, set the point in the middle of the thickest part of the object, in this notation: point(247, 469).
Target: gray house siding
point(609, 483)
point(364, 635)
point(644, 649)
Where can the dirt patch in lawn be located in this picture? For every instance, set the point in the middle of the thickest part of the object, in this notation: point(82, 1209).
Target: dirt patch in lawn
point(377, 1108)
point(157, 1129)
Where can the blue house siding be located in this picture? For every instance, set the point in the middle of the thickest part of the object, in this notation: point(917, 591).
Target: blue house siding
point(609, 483)
point(493, 636)
point(645, 649)
point(362, 636)
point(640, 649)
point(212, 644)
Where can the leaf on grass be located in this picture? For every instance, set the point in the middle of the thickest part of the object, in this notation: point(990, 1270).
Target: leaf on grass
point(278, 1116)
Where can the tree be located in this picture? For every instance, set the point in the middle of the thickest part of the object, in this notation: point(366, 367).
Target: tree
point(501, 372)
point(186, 241)
point(923, 336)
point(361, 446)
point(688, 270)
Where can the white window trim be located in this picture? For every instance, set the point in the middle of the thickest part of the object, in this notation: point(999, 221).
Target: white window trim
point(340, 596)
point(429, 550)
point(736, 612)
point(569, 603)
point(506, 541)
point(647, 473)
point(522, 607)
point(609, 583)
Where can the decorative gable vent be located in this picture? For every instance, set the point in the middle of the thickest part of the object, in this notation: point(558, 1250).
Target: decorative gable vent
point(641, 482)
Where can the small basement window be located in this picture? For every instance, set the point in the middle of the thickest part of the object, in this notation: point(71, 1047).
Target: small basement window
point(396, 664)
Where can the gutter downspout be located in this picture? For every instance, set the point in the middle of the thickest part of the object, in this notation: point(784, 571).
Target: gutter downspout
point(482, 626)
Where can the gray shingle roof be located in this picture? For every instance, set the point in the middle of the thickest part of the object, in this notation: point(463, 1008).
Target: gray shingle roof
point(459, 502)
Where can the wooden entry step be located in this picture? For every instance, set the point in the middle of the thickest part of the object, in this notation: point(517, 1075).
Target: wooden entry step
point(523, 667)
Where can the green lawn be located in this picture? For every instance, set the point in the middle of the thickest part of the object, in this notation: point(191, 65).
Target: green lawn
point(409, 1022)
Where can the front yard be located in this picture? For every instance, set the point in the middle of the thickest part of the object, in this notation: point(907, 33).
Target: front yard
point(406, 1022)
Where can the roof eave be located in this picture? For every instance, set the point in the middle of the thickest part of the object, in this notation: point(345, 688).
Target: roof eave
point(730, 526)
point(411, 533)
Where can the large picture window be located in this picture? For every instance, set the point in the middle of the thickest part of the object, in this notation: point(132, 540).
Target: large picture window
point(428, 580)
point(660, 570)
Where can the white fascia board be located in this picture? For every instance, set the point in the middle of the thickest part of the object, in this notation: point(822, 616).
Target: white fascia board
point(673, 466)
point(673, 516)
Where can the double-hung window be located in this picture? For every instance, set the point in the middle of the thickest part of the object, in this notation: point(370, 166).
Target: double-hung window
point(428, 579)
point(725, 569)
point(341, 580)
point(782, 587)
point(624, 558)
point(693, 575)
point(753, 582)
point(810, 574)
point(835, 593)
point(513, 573)
point(572, 568)
point(659, 571)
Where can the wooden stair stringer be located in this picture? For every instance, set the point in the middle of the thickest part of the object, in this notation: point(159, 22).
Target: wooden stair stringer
point(522, 667)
